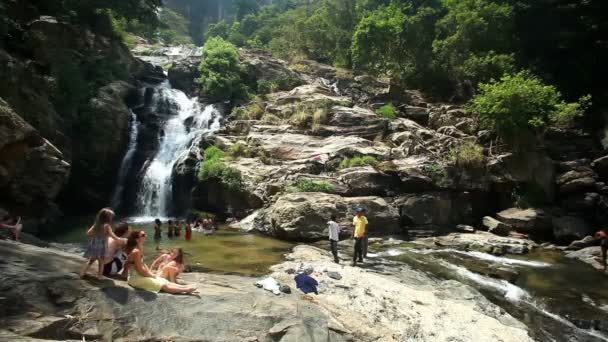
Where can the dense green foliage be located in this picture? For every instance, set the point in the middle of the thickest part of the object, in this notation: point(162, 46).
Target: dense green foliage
point(221, 71)
point(214, 167)
point(521, 104)
point(444, 47)
point(310, 185)
point(358, 161)
point(388, 111)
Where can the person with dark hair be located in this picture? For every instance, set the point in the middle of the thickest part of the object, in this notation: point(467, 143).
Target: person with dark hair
point(360, 223)
point(115, 255)
point(157, 231)
point(602, 235)
point(170, 232)
point(140, 276)
point(174, 267)
point(177, 229)
point(188, 228)
point(98, 234)
point(334, 237)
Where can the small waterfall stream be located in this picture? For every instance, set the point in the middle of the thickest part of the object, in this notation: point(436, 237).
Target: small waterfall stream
point(155, 190)
point(127, 162)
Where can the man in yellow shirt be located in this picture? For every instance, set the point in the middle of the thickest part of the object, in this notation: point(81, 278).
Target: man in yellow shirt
point(360, 223)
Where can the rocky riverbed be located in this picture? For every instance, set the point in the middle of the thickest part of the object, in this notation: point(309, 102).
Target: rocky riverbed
point(43, 299)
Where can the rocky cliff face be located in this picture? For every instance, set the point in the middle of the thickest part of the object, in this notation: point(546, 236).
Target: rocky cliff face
point(72, 84)
point(311, 133)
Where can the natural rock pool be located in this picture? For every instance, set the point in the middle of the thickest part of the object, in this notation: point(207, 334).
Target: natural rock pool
point(226, 251)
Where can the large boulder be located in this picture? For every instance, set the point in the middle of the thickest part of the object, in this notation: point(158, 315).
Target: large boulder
point(569, 228)
point(304, 216)
point(442, 210)
point(32, 170)
point(367, 181)
point(183, 74)
point(589, 255)
point(263, 69)
point(352, 121)
point(526, 167)
point(496, 227)
point(600, 165)
point(527, 221)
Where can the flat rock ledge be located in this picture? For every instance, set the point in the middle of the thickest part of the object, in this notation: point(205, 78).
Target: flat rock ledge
point(42, 299)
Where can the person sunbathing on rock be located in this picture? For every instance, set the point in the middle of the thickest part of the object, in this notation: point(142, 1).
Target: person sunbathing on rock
point(602, 235)
point(174, 267)
point(140, 276)
point(164, 257)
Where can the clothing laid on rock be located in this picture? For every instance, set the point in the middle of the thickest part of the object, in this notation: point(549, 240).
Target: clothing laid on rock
point(306, 283)
point(269, 284)
point(146, 283)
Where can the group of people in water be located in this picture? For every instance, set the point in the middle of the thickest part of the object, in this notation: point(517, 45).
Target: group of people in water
point(174, 228)
point(120, 254)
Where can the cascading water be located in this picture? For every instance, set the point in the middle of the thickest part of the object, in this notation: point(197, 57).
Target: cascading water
point(126, 163)
point(155, 191)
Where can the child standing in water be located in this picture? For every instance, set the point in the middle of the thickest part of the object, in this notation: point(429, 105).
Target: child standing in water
point(188, 231)
point(98, 243)
point(170, 229)
point(157, 231)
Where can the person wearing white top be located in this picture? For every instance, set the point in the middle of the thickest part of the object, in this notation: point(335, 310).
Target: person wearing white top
point(334, 237)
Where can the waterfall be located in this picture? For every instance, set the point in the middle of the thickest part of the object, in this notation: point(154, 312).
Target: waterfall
point(155, 191)
point(126, 163)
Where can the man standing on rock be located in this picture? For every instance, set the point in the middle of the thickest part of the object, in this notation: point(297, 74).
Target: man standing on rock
point(334, 237)
point(360, 223)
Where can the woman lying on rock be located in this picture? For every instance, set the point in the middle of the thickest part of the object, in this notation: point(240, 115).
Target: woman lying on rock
point(174, 267)
point(140, 276)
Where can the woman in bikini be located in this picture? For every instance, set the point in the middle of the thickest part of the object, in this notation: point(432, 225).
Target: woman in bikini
point(176, 266)
point(140, 276)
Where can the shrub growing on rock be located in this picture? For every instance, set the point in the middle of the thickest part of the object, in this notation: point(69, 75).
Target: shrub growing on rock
point(358, 161)
point(221, 71)
point(239, 150)
point(467, 154)
point(388, 111)
point(519, 105)
point(214, 167)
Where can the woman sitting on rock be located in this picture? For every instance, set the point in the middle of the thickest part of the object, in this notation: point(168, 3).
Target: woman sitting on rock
point(140, 276)
point(176, 266)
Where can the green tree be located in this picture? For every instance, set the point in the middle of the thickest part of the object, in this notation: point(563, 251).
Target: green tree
point(396, 40)
point(221, 71)
point(474, 40)
point(521, 105)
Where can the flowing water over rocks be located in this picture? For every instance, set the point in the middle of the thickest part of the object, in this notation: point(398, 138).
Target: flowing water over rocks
point(188, 121)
